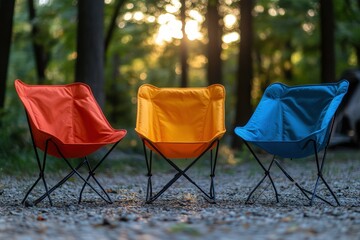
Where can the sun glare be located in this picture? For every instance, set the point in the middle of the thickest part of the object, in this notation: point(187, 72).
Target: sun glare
point(171, 8)
point(44, 2)
point(171, 28)
point(192, 30)
point(230, 21)
point(196, 16)
point(138, 16)
point(231, 37)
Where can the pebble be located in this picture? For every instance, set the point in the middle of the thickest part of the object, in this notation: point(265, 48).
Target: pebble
point(181, 213)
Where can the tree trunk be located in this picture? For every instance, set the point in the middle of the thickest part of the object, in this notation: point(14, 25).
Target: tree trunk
point(90, 47)
point(245, 69)
point(184, 48)
point(357, 51)
point(287, 65)
point(327, 41)
point(214, 71)
point(41, 57)
point(113, 24)
point(6, 22)
point(357, 46)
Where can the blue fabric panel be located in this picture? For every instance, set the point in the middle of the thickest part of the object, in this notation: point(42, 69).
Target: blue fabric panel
point(287, 118)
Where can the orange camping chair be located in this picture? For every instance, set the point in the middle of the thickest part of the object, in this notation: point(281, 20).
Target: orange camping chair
point(180, 123)
point(65, 121)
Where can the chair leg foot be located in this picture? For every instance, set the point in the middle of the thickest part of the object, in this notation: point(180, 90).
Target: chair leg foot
point(210, 200)
point(254, 189)
point(30, 190)
point(28, 203)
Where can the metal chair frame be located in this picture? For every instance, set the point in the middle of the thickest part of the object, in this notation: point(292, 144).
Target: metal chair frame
point(74, 170)
point(210, 197)
point(305, 192)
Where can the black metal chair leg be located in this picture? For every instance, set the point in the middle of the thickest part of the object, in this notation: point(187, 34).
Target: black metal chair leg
point(320, 176)
point(83, 187)
point(266, 174)
point(43, 169)
point(37, 160)
point(29, 191)
point(254, 189)
point(275, 190)
point(92, 175)
point(149, 192)
point(148, 162)
point(61, 182)
point(206, 195)
point(41, 174)
point(47, 191)
point(303, 191)
point(86, 182)
point(314, 191)
point(332, 193)
point(74, 171)
point(171, 182)
point(209, 197)
point(212, 172)
point(79, 175)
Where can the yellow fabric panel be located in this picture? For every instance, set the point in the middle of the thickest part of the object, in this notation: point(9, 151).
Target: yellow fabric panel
point(182, 119)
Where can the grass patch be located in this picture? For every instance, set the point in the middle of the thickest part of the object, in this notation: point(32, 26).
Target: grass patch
point(185, 229)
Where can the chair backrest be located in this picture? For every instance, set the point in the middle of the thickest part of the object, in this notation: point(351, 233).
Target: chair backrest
point(66, 112)
point(181, 114)
point(293, 113)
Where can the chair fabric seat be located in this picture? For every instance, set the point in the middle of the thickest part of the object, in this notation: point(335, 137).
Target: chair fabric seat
point(77, 126)
point(180, 123)
point(65, 121)
point(287, 118)
point(181, 149)
point(294, 122)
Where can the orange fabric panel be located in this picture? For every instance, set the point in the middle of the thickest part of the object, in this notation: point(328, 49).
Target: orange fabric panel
point(181, 122)
point(68, 115)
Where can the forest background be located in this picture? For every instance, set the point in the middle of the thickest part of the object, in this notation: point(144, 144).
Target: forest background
point(117, 45)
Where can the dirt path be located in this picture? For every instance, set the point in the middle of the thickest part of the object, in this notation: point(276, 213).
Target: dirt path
point(182, 213)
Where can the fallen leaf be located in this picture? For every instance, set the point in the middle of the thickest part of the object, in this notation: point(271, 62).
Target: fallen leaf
point(110, 190)
point(40, 218)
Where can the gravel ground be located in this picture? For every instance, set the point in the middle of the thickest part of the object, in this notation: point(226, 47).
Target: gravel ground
point(182, 213)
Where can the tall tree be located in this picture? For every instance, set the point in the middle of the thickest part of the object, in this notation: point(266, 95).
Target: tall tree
point(327, 42)
point(245, 68)
point(113, 24)
point(214, 72)
point(6, 22)
point(183, 47)
point(90, 47)
point(357, 44)
point(41, 56)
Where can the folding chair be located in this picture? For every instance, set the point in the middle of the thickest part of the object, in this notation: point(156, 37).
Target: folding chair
point(66, 122)
point(180, 123)
point(294, 122)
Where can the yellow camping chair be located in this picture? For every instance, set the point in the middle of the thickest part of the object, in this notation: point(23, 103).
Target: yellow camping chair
point(179, 123)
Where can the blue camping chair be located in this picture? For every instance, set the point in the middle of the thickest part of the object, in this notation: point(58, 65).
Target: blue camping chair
point(294, 122)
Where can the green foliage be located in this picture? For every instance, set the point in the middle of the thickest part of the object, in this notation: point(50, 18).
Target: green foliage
point(15, 146)
point(184, 228)
point(286, 43)
point(286, 49)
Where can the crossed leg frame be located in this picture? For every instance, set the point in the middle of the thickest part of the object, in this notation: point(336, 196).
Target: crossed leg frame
point(310, 195)
point(74, 170)
point(210, 197)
